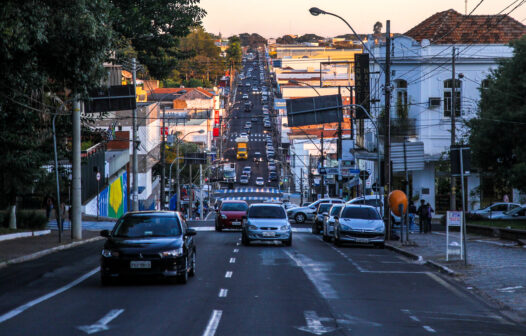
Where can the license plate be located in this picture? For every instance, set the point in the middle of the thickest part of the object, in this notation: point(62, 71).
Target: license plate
point(236, 223)
point(141, 264)
point(269, 234)
point(362, 240)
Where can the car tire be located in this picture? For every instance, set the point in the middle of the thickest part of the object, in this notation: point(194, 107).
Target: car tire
point(300, 218)
point(218, 228)
point(244, 240)
point(193, 264)
point(326, 238)
point(288, 242)
point(380, 245)
point(106, 281)
point(183, 278)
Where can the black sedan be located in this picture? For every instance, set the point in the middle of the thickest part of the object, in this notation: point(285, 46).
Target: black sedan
point(151, 243)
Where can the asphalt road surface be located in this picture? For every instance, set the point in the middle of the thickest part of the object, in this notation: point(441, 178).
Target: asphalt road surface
point(311, 288)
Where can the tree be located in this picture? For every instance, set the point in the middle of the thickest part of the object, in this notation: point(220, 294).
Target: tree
point(234, 54)
point(498, 133)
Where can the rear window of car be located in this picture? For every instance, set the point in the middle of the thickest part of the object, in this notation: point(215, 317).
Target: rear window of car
point(360, 213)
point(234, 207)
point(140, 226)
point(336, 209)
point(263, 211)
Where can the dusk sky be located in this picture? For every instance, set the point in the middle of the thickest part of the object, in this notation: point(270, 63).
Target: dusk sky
point(274, 18)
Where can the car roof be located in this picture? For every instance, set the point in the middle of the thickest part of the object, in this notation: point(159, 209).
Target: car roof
point(233, 201)
point(265, 204)
point(360, 206)
point(152, 212)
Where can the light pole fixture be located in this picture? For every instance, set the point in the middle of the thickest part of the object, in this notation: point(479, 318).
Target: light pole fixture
point(201, 131)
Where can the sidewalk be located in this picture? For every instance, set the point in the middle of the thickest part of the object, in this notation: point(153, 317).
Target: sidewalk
point(496, 268)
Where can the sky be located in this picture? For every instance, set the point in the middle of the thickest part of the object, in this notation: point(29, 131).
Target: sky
point(275, 18)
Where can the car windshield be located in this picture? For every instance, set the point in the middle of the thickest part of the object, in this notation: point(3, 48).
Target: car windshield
point(360, 213)
point(140, 226)
point(234, 207)
point(335, 210)
point(324, 207)
point(266, 212)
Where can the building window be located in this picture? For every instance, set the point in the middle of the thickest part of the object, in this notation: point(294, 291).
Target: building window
point(401, 98)
point(447, 97)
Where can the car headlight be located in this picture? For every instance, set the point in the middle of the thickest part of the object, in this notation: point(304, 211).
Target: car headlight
point(173, 253)
point(284, 227)
point(253, 227)
point(379, 228)
point(223, 216)
point(107, 253)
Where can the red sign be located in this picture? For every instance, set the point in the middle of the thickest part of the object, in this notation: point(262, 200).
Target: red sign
point(215, 132)
point(165, 130)
point(216, 117)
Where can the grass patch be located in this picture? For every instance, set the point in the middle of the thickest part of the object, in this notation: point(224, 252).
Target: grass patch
point(512, 224)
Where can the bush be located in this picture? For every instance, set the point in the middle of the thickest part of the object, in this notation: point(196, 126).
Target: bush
point(474, 217)
point(28, 220)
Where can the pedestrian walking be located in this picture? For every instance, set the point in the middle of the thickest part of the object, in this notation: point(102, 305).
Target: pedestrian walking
point(429, 215)
point(421, 212)
point(49, 206)
point(412, 214)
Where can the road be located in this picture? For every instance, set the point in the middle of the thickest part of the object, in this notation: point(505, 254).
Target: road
point(311, 288)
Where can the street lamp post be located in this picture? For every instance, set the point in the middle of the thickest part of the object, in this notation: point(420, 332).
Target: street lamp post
point(201, 131)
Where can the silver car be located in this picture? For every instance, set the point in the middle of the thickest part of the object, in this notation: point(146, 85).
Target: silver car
point(496, 210)
point(329, 220)
point(360, 224)
point(305, 213)
point(266, 221)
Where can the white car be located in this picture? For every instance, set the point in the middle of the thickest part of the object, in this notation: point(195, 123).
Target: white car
point(243, 179)
point(243, 135)
point(260, 181)
point(245, 96)
point(360, 224)
point(496, 209)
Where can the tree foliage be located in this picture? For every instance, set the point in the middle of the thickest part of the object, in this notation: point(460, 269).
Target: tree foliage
point(498, 133)
point(234, 53)
point(252, 40)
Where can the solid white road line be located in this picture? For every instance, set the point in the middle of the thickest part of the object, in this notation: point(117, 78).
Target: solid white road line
point(213, 323)
point(101, 324)
point(228, 274)
point(223, 292)
point(34, 302)
point(232, 260)
point(428, 328)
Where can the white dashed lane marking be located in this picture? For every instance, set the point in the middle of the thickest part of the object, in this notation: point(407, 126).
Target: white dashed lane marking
point(232, 260)
point(228, 274)
point(223, 292)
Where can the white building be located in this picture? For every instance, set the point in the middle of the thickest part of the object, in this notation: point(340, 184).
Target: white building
point(421, 72)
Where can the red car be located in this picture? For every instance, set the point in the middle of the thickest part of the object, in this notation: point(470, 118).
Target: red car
point(230, 214)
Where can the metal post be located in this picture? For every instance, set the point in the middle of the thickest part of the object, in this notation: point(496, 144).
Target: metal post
point(76, 205)
point(163, 163)
point(463, 208)
point(189, 191)
point(59, 215)
point(452, 199)
point(98, 192)
point(135, 162)
point(201, 191)
point(322, 182)
point(177, 178)
point(406, 190)
point(387, 141)
point(301, 186)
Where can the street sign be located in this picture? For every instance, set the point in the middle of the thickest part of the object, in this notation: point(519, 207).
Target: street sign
point(453, 247)
point(314, 110)
point(364, 175)
point(98, 176)
point(408, 154)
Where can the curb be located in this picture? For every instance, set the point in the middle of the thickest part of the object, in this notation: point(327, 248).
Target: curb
point(11, 236)
point(431, 263)
point(42, 253)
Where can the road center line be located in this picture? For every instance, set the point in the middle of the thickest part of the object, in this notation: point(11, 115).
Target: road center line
point(34, 302)
point(232, 260)
point(213, 323)
point(223, 292)
point(228, 274)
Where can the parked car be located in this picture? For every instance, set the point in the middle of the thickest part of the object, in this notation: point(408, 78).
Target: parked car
point(323, 209)
point(230, 215)
point(377, 202)
point(265, 221)
point(302, 214)
point(329, 220)
point(360, 224)
point(149, 243)
point(496, 209)
point(260, 181)
point(515, 213)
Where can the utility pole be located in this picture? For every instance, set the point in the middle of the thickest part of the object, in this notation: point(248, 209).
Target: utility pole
point(177, 177)
point(301, 186)
point(76, 204)
point(190, 194)
point(201, 201)
point(322, 182)
point(163, 163)
point(387, 141)
point(452, 199)
point(135, 162)
point(339, 148)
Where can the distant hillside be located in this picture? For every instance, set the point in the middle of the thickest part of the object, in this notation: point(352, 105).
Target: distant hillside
point(287, 39)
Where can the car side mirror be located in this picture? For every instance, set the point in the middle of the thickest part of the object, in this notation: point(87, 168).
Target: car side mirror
point(190, 232)
point(105, 233)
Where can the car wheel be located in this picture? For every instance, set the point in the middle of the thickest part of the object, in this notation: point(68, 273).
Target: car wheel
point(193, 263)
point(288, 242)
point(299, 218)
point(183, 278)
point(380, 245)
point(106, 280)
point(326, 238)
point(218, 228)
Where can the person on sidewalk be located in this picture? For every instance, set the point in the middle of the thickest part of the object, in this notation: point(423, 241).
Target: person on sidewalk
point(412, 214)
point(49, 206)
point(421, 212)
point(429, 215)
